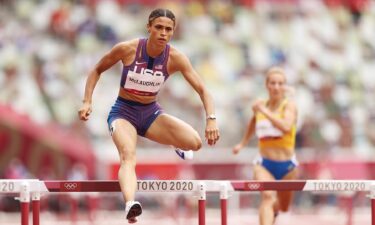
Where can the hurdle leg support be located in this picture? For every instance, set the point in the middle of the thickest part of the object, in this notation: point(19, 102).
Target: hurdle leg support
point(25, 203)
point(372, 197)
point(202, 204)
point(35, 199)
point(224, 194)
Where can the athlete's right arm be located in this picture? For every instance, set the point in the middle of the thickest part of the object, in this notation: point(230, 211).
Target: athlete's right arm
point(245, 139)
point(117, 53)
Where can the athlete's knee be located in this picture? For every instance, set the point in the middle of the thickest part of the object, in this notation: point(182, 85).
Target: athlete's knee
point(196, 143)
point(268, 197)
point(192, 142)
point(127, 156)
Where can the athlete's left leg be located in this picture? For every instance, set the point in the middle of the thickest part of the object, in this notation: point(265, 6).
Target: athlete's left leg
point(169, 130)
point(284, 198)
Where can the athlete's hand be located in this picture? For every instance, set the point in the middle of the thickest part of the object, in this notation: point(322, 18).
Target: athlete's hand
point(237, 148)
point(85, 111)
point(212, 133)
point(258, 105)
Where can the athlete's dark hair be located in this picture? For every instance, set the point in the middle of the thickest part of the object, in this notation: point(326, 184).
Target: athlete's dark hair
point(161, 13)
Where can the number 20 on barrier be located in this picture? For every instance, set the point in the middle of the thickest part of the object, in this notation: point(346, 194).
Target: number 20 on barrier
point(7, 186)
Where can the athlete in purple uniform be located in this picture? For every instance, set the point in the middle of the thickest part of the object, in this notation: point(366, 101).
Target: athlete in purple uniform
point(147, 63)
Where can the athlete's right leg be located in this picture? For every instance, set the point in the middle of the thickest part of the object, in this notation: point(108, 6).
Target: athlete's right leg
point(125, 138)
point(269, 198)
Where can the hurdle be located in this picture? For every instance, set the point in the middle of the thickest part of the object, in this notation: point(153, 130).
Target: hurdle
point(33, 189)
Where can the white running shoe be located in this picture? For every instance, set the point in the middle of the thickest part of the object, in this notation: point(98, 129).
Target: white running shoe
point(186, 155)
point(132, 210)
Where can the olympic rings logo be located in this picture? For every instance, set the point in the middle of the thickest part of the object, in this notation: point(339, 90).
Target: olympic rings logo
point(70, 186)
point(253, 186)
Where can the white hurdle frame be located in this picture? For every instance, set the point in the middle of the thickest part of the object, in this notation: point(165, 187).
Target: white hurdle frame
point(33, 189)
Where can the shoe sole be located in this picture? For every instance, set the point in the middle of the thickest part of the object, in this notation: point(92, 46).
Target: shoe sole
point(134, 211)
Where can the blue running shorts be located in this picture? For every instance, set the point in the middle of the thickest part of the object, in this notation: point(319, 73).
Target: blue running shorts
point(141, 116)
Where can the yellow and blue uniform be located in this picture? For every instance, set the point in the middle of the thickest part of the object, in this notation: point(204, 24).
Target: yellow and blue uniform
point(270, 136)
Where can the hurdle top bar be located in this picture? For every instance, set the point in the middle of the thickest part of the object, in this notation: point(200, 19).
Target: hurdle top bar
point(34, 185)
point(305, 185)
point(22, 185)
point(142, 186)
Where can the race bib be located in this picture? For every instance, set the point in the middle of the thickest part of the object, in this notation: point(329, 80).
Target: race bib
point(144, 82)
point(264, 128)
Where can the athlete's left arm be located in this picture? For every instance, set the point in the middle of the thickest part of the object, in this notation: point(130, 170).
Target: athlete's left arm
point(289, 119)
point(182, 64)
